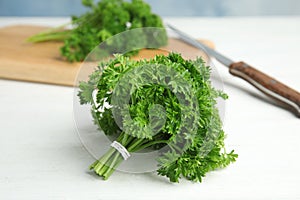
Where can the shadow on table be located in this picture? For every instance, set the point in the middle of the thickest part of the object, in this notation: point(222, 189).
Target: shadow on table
point(258, 96)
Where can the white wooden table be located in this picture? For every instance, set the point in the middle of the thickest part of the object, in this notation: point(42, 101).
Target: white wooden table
point(42, 157)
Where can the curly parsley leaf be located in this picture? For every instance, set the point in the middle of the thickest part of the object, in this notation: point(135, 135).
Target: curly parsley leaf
point(191, 151)
point(103, 20)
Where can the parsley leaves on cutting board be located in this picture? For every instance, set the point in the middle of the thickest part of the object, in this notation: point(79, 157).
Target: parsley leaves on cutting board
point(103, 20)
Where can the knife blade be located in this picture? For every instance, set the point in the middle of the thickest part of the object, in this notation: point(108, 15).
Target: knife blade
point(281, 93)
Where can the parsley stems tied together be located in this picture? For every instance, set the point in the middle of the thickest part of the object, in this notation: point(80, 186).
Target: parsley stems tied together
point(108, 163)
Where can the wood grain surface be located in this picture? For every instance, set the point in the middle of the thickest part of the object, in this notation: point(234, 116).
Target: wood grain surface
point(43, 63)
point(273, 88)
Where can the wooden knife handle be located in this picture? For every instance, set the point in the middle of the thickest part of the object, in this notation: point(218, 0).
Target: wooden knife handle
point(283, 94)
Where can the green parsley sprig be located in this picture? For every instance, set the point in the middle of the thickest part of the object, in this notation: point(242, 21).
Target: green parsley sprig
point(185, 126)
point(103, 20)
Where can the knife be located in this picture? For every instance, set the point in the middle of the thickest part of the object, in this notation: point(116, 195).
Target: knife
point(281, 93)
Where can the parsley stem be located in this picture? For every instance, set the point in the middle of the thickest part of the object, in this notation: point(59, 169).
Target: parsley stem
point(108, 162)
point(149, 144)
point(98, 165)
point(103, 169)
point(51, 36)
point(107, 165)
point(92, 166)
point(117, 163)
point(112, 167)
point(107, 155)
point(125, 138)
point(135, 144)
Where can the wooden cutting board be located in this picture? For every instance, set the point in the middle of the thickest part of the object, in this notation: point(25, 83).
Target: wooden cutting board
point(42, 62)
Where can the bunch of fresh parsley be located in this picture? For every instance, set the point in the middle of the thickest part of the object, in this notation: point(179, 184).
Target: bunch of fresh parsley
point(103, 20)
point(167, 104)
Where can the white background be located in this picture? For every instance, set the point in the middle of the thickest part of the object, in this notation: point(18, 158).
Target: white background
point(41, 156)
